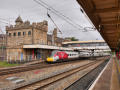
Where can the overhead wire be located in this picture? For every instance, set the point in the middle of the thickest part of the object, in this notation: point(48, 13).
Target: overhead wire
point(84, 29)
point(58, 14)
point(4, 19)
point(1, 30)
point(4, 22)
point(53, 22)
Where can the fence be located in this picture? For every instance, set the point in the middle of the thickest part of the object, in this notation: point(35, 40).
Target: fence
point(2, 54)
point(2, 47)
point(15, 58)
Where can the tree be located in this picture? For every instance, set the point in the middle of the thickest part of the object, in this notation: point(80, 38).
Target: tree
point(74, 39)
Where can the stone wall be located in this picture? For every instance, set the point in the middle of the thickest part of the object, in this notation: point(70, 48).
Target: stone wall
point(27, 34)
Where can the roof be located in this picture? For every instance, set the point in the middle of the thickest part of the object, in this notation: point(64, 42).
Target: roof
point(105, 15)
point(90, 41)
point(59, 40)
point(19, 19)
point(95, 48)
point(45, 47)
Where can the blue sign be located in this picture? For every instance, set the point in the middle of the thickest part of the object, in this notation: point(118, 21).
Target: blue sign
point(21, 56)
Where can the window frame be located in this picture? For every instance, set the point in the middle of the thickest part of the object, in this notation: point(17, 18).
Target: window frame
point(24, 33)
point(14, 34)
point(29, 33)
point(10, 34)
point(19, 33)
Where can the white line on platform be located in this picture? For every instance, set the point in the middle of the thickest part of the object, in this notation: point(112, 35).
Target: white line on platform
point(92, 86)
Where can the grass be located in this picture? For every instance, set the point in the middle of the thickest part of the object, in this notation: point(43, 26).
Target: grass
point(5, 64)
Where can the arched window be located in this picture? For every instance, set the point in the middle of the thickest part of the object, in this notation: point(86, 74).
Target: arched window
point(23, 33)
point(9, 34)
point(29, 32)
point(19, 33)
point(14, 34)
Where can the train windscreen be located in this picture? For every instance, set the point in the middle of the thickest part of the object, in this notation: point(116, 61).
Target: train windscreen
point(53, 53)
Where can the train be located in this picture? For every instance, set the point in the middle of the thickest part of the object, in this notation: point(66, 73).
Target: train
point(57, 56)
point(60, 56)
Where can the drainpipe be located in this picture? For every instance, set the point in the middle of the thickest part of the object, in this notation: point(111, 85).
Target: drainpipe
point(32, 36)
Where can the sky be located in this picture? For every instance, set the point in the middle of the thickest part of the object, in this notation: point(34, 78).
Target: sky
point(32, 11)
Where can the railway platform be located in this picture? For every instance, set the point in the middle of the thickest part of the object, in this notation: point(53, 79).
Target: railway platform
point(109, 78)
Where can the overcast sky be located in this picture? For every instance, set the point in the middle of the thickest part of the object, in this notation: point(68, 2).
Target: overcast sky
point(30, 10)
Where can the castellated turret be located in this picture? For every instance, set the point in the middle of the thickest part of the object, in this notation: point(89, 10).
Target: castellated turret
point(18, 21)
point(19, 24)
point(32, 34)
point(23, 32)
point(55, 32)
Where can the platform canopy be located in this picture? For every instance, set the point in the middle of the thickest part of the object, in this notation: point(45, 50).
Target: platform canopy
point(105, 15)
point(46, 47)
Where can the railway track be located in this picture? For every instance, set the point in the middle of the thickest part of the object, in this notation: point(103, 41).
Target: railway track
point(42, 84)
point(32, 67)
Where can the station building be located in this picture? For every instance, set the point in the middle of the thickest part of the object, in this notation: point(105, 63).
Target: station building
point(27, 41)
point(91, 46)
point(89, 43)
point(2, 46)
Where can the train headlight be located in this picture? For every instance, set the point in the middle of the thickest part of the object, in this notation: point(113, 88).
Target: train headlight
point(50, 59)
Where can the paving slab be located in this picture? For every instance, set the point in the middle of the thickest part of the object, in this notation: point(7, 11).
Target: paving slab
point(12, 78)
point(18, 81)
point(108, 79)
point(103, 81)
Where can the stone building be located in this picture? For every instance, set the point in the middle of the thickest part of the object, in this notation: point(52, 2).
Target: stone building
point(2, 40)
point(67, 39)
point(2, 46)
point(53, 39)
point(24, 33)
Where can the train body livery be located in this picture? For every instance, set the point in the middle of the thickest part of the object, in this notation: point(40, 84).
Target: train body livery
point(59, 56)
point(62, 56)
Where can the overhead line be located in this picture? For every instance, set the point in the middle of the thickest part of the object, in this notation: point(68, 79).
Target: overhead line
point(4, 22)
point(54, 22)
point(59, 13)
point(4, 19)
point(49, 8)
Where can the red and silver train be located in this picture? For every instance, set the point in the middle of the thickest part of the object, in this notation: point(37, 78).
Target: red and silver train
point(58, 56)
